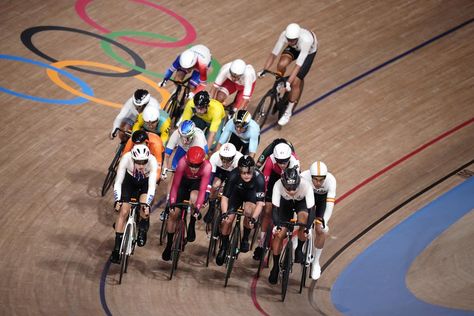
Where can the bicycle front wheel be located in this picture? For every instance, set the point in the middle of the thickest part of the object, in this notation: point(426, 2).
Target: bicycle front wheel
point(263, 109)
point(287, 260)
point(124, 253)
point(232, 252)
point(304, 268)
point(176, 247)
point(214, 237)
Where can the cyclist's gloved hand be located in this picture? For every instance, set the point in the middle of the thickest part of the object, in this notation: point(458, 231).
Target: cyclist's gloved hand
point(262, 73)
point(117, 205)
point(252, 222)
point(112, 134)
point(164, 174)
point(190, 95)
point(276, 229)
point(146, 208)
point(163, 83)
point(287, 86)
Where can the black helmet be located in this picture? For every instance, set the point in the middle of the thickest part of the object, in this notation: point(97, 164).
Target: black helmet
point(139, 136)
point(291, 179)
point(242, 118)
point(141, 97)
point(246, 163)
point(202, 99)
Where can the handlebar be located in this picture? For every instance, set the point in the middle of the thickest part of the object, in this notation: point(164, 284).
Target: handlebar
point(118, 129)
point(275, 74)
point(182, 83)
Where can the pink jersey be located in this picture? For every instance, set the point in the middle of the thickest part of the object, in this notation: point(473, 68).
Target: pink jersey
point(182, 170)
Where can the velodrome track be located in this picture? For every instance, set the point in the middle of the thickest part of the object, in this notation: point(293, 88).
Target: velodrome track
point(388, 105)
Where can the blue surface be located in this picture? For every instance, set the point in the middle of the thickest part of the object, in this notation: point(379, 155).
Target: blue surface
point(374, 283)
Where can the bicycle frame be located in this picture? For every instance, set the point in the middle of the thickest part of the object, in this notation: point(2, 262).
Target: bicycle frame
point(127, 246)
point(175, 105)
point(180, 235)
point(233, 250)
point(272, 101)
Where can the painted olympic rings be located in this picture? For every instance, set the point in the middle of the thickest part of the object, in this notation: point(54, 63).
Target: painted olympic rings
point(26, 38)
point(54, 76)
point(190, 31)
point(86, 90)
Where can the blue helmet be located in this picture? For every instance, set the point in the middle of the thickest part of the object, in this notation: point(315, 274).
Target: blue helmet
point(187, 129)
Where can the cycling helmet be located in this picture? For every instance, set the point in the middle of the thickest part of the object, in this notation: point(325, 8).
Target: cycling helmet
point(290, 179)
point(202, 99)
point(292, 31)
point(246, 164)
point(242, 118)
point(318, 169)
point(187, 129)
point(237, 67)
point(139, 136)
point(187, 59)
point(282, 153)
point(141, 97)
point(227, 152)
point(151, 114)
point(195, 156)
point(140, 152)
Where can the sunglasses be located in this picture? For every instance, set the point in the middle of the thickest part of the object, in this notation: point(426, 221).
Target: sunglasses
point(282, 161)
point(141, 162)
point(194, 165)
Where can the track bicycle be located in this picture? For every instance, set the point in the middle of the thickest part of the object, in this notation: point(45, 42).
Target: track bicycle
point(308, 257)
point(127, 247)
point(175, 104)
point(212, 231)
point(233, 250)
point(165, 214)
point(265, 257)
point(112, 171)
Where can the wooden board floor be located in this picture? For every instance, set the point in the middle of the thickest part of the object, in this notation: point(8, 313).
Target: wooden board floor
point(57, 236)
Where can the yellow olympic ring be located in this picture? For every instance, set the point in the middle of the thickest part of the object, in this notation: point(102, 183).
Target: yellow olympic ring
point(54, 76)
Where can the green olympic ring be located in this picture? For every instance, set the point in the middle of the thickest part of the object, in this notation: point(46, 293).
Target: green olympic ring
point(109, 51)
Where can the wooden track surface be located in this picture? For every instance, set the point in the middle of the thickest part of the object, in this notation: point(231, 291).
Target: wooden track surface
point(56, 234)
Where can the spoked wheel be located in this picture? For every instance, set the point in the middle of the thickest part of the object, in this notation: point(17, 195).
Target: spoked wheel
point(263, 109)
point(304, 268)
point(231, 254)
point(112, 172)
point(123, 253)
point(214, 237)
point(163, 224)
point(287, 259)
point(177, 247)
point(266, 252)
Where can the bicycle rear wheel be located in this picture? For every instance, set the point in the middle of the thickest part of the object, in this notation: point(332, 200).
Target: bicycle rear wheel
point(163, 224)
point(176, 247)
point(232, 252)
point(263, 109)
point(304, 268)
point(211, 251)
point(287, 260)
point(266, 252)
point(112, 171)
point(123, 253)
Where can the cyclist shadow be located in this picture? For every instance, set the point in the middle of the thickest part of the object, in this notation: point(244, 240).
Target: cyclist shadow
point(89, 177)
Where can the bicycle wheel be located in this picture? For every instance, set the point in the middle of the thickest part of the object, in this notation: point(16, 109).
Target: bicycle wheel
point(176, 247)
point(287, 260)
point(163, 224)
point(232, 252)
point(171, 105)
point(112, 171)
point(124, 254)
point(263, 109)
point(211, 251)
point(304, 268)
point(266, 251)
point(256, 232)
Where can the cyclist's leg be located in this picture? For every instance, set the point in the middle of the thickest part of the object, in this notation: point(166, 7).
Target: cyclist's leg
point(228, 87)
point(321, 230)
point(302, 216)
point(216, 184)
point(235, 201)
point(267, 214)
point(126, 125)
point(144, 219)
point(191, 234)
point(285, 214)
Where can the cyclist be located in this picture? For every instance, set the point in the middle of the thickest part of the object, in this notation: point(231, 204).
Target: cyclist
point(281, 159)
point(244, 187)
point(290, 194)
point(195, 60)
point(136, 178)
point(324, 187)
point(269, 150)
point(189, 183)
point(222, 162)
point(301, 45)
point(154, 120)
point(235, 76)
point(152, 141)
point(206, 113)
point(130, 110)
point(243, 132)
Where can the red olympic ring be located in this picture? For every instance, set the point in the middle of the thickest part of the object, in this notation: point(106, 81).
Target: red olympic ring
point(190, 31)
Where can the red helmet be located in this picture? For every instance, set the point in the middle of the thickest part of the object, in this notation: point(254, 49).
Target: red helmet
point(195, 156)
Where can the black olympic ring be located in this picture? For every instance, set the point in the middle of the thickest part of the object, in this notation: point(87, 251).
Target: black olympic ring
point(27, 35)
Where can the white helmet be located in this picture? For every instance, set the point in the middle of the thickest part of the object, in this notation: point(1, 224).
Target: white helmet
point(228, 150)
point(237, 67)
point(141, 97)
point(318, 169)
point(151, 114)
point(282, 152)
point(292, 31)
point(188, 59)
point(140, 152)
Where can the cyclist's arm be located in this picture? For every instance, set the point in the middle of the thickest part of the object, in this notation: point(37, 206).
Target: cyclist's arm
point(253, 143)
point(172, 69)
point(138, 123)
point(267, 171)
point(310, 204)
point(165, 130)
point(122, 168)
point(266, 153)
point(152, 177)
point(229, 187)
point(281, 42)
point(188, 111)
point(205, 179)
point(177, 180)
point(156, 149)
point(260, 194)
point(126, 109)
point(331, 197)
point(226, 132)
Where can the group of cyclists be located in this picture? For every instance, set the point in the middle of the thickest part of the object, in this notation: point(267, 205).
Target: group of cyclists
point(214, 162)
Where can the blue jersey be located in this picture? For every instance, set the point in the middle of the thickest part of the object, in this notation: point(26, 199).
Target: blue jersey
point(250, 136)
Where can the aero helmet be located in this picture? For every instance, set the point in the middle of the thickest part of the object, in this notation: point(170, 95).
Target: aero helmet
point(292, 31)
point(141, 97)
point(151, 114)
point(195, 156)
point(187, 59)
point(237, 67)
point(202, 99)
point(242, 118)
point(140, 152)
point(187, 129)
point(318, 169)
point(290, 179)
point(139, 136)
point(282, 153)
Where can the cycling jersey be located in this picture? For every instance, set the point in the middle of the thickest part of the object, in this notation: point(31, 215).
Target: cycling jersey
point(127, 165)
point(162, 128)
point(238, 191)
point(184, 172)
point(214, 115)
point(246, 81)
point(249, 136)
point(129, 112)
point(216, 162)
point(155, 145)
point(271, 166)
point(199, 139)
point(307, 44)
point(328, 189)
point(269, 149)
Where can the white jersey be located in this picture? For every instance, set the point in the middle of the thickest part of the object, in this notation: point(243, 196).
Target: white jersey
point(246, 80)
point(199, 139)
point(304, 191)
point(129, 111)
point(216, 162)
point(307, 44)
point(328, 187)
point(203, 53)
point(127, 165)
